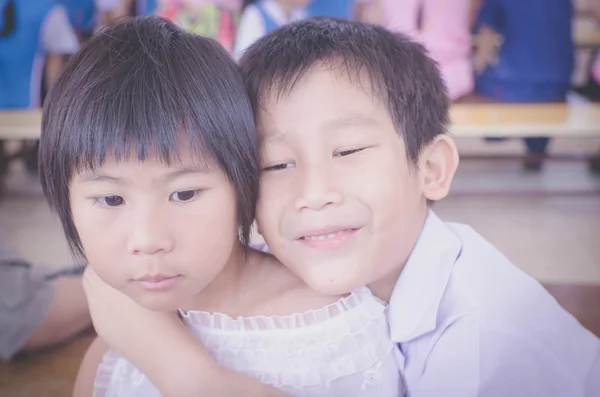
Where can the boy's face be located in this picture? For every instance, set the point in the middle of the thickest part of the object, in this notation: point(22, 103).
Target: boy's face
point(339, 202)
point(160, 234)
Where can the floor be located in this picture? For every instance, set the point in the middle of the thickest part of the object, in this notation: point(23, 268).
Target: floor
point(552, 237)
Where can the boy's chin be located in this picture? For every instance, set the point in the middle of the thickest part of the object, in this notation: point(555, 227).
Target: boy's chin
point(333, 278)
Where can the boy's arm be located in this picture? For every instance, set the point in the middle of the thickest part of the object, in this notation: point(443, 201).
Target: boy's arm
point(182, 367)
point(84, 384)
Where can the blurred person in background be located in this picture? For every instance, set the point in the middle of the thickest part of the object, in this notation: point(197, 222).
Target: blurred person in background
point(591, 90)
point(38, 309)
point(32, 33)
point(263, 16)
point(35, 38)
point(531, 63)
point(361, 10)
point(217, 19)
point(87, 16)
point(134, 8)
point(444, 28)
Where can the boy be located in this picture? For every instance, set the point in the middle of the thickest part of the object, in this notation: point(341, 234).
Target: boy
point(352, 128)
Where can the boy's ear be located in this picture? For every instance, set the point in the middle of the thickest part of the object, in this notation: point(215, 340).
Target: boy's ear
point(437, 167)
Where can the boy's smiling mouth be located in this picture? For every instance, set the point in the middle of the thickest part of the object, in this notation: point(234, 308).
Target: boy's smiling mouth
point(326, 238)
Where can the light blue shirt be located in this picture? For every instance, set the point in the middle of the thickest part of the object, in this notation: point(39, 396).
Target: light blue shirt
point(469, 323)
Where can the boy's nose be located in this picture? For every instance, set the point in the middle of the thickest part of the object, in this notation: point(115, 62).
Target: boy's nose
point(316, 190)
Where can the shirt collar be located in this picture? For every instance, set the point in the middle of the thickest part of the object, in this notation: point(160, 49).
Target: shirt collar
point(416, 297)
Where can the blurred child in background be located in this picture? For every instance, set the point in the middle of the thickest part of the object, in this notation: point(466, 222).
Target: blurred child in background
point(534, 62)
point(217, 19)
point(263, 16)
point(443, 26)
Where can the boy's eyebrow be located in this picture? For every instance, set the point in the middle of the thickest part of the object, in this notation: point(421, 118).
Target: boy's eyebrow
point(349, 122)
point(331, 125)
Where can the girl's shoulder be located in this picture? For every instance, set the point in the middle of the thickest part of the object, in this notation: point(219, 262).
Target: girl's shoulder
point(297, 349)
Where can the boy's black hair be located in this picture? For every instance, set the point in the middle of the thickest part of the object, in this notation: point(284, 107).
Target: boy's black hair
point(400, 72)
point(146, 87)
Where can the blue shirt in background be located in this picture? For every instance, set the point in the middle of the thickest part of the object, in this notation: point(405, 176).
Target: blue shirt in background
point(21, 55)
point(82, 14)
point(536, 57)
point(331, 8)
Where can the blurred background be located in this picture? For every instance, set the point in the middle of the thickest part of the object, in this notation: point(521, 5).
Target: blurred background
point(524, 78)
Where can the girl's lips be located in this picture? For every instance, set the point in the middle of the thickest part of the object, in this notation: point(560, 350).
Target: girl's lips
point(157, 282)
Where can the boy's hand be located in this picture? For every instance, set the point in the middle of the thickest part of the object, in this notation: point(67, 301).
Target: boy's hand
point(486, 44)
point(118, 320)
point(155, 342)
point(162, 348)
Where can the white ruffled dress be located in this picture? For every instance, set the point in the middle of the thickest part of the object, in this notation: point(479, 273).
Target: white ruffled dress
point(343, 349)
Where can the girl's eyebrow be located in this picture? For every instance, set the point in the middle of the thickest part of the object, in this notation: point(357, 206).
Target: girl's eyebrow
point(186, 171)
point(94, 177)
point(175, 173)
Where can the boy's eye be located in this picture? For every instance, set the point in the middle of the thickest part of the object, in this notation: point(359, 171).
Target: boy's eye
point(111, 201)
point(348, 152)
point(278, 167)
point(184, 195)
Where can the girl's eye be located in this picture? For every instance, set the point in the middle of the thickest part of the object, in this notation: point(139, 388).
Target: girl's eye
point(184, 195)
point(111, 201)
point(278, 167)
point(348, 152)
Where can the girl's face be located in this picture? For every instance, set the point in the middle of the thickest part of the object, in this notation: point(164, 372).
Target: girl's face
point(158, 233)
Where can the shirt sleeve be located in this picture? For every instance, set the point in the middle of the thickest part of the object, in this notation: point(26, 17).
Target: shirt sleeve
point(251, 28)
point(470, 361)
point(490, 14)
point(58, 36)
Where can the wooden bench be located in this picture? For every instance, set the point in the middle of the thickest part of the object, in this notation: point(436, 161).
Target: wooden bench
point(20, 124)
point(468, 120)
point(482, 120)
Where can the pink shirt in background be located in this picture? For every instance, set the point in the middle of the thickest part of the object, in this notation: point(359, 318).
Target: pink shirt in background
point(216, 19)
point(444, 31)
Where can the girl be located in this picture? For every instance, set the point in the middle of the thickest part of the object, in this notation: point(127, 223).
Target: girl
point(150, 159)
